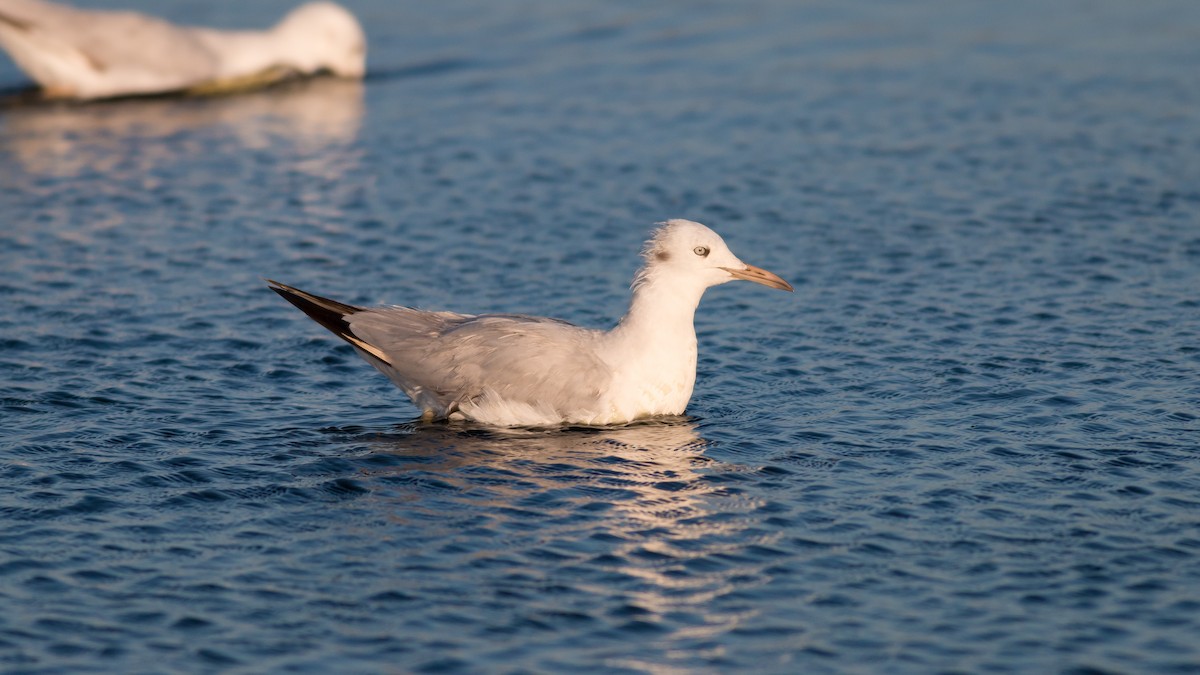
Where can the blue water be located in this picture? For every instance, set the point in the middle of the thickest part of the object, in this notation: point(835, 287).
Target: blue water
point(968, 443)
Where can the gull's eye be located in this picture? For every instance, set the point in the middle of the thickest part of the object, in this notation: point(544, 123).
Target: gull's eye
point(701, 251)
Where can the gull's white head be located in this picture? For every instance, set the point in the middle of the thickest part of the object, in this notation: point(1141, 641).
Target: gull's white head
point(686, 250)
point(324, 36)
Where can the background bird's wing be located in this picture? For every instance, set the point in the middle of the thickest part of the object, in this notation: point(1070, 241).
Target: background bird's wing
point(149, 53)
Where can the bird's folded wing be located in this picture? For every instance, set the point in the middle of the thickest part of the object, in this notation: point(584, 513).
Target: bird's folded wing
point(523, 359)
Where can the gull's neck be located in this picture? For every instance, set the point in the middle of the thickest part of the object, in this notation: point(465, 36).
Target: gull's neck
point(653, 349)
point(662, 308)
point(245, 53)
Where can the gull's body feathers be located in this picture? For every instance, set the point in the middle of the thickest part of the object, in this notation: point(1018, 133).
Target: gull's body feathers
point(480, 366)
point(89, 54)
point(515, 370)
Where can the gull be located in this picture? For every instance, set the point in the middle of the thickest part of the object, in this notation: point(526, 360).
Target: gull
point(90, 54)
point(511, 370)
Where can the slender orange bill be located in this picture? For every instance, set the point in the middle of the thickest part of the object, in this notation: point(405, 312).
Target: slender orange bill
point(760, 276)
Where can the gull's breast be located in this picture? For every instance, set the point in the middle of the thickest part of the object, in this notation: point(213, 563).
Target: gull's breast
point(653, 385)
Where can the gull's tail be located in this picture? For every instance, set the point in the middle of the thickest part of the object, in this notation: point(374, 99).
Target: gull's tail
point(329, 313)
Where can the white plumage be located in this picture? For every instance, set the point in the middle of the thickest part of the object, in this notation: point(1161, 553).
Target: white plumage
point(513, 370)
point(90, 54)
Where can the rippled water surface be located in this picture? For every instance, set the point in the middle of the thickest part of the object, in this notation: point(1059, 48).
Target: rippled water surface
point(969, 442)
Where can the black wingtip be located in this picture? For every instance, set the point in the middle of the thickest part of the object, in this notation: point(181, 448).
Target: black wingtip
point(329, 313)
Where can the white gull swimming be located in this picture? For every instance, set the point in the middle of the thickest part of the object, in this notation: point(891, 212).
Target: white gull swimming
point(90, 54)
point(515, 370)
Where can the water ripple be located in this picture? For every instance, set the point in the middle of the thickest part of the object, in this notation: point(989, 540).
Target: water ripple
point(967, 444)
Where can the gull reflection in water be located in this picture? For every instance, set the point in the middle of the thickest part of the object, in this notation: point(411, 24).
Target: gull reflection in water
point(647, 472)
point(668, 446)
point(135, 136)
point(641, 502)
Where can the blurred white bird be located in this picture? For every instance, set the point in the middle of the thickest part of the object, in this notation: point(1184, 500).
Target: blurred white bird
point(514, 370)
point(89, 54)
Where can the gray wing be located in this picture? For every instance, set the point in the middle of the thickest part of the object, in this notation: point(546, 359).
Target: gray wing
point(456, 359)
point(445, 361)
point(150, 53)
